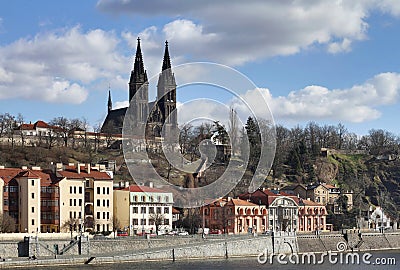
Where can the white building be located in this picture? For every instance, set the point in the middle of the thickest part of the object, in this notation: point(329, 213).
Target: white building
point(147, 208)
point(378, 219)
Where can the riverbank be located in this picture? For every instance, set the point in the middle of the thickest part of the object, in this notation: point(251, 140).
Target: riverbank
point(195, 248)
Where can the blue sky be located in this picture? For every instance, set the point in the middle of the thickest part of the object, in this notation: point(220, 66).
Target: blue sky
point(329, 61)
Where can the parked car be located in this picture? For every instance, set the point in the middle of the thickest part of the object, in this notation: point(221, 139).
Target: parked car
point(99, 236)
point(183, 233)
point(122, 233)
point(215, 231)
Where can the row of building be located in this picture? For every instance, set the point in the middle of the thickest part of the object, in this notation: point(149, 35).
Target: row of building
point(50, 200)
point(264, 210)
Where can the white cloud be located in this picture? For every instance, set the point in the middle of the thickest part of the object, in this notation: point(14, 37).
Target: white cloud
point(236, 32)
point(357, 104)
point(60, 66)
point(120, 104)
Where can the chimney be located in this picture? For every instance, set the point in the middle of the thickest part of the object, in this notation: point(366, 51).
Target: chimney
point(151, 184)
point(1, 167)
point(127, 184)
point(71, 164)
point(36, 168)
point(59, 167)
point(78, 168)
point(88, 168)
point(24, 167)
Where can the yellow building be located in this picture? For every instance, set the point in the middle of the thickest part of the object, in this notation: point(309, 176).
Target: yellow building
point(86, 195)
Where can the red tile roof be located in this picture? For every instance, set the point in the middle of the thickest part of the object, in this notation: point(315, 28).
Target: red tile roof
point(309, 203)
point(239, 202)
point(41, 124)
point(73, 174)
point(136, 188)
point(26, 127)
point(46, 177)
point(8, 174)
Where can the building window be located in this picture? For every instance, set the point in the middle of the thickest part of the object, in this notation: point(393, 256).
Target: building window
point(151, 210)
point(134, 198)
point(70, 189)
point(108, 215)
point(166, 199)
point(143, 199)
point(70, 202)
point(158, 210)
point(108, 190)
point(98, 215)
point(166, 210)
point(104, 190)
point(33, 182)
point(33, 195)
point(143, 210)
point(98, 227)
point(134, 210)
point(98, 190)
point(74, 190)
point(98, 202)
point(108, 203)
point(166, 221)
point(104, 215)
point(80, 202)
point(70, 214)
point(104, 203)
point(74, 202)
point(79, 214)
point(142, 222)
point(80, 190)
point(33, 222)
point(33, 209)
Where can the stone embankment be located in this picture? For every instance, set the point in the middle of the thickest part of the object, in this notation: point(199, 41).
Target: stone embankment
point(183, 248)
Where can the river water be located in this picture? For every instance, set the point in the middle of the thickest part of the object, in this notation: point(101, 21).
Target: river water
point(390, 257)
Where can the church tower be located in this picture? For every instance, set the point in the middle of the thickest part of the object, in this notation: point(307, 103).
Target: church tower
point(139, 88)
point(166, 93)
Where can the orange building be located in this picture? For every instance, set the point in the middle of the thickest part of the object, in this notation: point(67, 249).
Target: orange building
point(227, 215)
point(312, 216)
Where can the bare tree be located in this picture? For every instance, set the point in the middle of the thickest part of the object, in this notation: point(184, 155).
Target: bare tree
point(70, 225)
point(20, 122)
point(158, 220)
point(62, 128)
point(116, 225)
point(7, 223)
point(233, 130)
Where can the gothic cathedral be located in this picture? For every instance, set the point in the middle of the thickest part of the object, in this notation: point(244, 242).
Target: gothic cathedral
point(151, 115)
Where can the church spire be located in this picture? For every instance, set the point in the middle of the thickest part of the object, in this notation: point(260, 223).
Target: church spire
point(166, 60)
point(138, 74)
point(138, 68)
point(109, 104)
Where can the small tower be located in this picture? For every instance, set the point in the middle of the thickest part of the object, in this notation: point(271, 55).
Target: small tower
point(109, 103)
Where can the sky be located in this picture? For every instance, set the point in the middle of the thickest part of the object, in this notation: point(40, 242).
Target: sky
point(324, 61)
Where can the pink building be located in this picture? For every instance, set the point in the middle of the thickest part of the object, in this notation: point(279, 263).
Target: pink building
point(235, 216)
point(312, 216)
